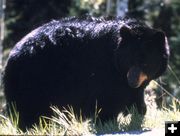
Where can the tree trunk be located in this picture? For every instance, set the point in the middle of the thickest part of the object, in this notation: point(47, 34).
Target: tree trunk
point(2, 7)
point(122, 7)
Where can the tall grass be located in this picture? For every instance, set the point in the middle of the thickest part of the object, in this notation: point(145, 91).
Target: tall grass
point(65, 122)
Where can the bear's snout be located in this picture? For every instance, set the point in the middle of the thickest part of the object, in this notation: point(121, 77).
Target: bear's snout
point(136, 77)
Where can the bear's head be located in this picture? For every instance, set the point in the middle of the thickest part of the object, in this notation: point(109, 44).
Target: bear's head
point(142, 54)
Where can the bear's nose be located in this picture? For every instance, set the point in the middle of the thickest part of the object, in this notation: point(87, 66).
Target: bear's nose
point(136, 77)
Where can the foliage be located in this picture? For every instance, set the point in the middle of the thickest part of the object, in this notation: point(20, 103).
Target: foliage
point(92, 7)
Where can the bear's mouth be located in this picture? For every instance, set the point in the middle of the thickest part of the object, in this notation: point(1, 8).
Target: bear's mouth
point(136, 77)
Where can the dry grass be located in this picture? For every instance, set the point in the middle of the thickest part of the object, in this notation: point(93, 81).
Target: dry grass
point(65, 122)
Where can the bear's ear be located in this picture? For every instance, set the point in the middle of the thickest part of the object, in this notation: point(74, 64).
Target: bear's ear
point(126, 32)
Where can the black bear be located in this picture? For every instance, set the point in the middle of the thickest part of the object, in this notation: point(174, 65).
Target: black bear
point(81, 61)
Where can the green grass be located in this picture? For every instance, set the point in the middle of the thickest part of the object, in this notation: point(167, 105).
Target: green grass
point(65, 122)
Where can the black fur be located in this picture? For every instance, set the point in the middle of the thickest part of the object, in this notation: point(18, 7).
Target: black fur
point(78, 61)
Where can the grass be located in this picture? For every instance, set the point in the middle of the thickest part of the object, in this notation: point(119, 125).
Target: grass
point(65, 122)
